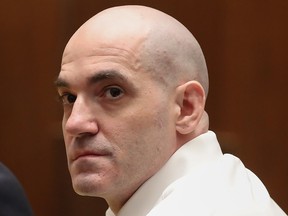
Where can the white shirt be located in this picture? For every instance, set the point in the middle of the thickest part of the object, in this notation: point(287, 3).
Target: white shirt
point(198, 180)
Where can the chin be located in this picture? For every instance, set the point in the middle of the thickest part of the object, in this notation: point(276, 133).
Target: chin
point(87, 186)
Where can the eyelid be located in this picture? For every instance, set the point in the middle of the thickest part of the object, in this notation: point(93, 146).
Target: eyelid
point(107, 88)
point(63, 98)
point(62, 91)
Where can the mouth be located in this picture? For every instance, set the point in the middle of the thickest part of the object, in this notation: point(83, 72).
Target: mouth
point(87, 155)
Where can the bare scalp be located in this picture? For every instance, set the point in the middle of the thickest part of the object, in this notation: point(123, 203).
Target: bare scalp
point(159, 43)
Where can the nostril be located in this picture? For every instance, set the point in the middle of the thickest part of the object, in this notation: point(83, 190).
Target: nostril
point(85, 135)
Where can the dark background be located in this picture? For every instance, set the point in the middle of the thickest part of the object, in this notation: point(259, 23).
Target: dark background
point(245, 44)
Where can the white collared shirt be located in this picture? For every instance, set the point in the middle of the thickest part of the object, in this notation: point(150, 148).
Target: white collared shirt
point(198, 180)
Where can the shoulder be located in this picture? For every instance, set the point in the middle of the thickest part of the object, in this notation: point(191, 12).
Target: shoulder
point(13, 200)
point(223, 188)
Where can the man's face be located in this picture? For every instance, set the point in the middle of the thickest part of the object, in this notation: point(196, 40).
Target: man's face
point(118, 123)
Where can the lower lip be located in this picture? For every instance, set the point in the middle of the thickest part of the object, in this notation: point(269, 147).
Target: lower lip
point(88, 156)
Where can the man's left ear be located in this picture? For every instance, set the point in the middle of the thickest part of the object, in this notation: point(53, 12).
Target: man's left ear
point(191, 100)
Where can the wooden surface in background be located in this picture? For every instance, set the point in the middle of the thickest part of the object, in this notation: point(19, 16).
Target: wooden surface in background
point(245, 45)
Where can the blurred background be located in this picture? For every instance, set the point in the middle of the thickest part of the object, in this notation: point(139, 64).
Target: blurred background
point(245, 44)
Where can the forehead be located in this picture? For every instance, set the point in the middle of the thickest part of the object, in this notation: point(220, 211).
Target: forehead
point(90, 50)
point(84, 66)
point(94, 68)
point(86, 56)
point(108, 43)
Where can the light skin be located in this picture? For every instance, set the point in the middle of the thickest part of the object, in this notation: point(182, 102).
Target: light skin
point(129, 103)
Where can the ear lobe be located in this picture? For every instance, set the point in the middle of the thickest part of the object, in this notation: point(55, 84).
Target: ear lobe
point(191, 99)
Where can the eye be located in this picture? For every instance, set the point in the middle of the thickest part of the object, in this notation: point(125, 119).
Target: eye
point(68, 98)
point(113, 92)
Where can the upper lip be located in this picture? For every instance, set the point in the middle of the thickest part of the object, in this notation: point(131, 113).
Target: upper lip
point(78, 154)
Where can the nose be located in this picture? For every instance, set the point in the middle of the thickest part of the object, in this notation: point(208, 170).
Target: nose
point(81, 119)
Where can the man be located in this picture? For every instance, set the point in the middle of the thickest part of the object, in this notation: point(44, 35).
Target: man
point(133, 83)
point(13, 201)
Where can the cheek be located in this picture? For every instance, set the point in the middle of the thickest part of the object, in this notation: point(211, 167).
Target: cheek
point(144, 137)
point(141, 127)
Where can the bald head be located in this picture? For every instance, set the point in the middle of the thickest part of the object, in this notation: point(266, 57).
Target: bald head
point(154, 41)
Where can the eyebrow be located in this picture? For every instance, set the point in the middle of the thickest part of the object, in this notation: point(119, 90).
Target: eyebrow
point(106, 75)
point(95, 78)
point(59, 82)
